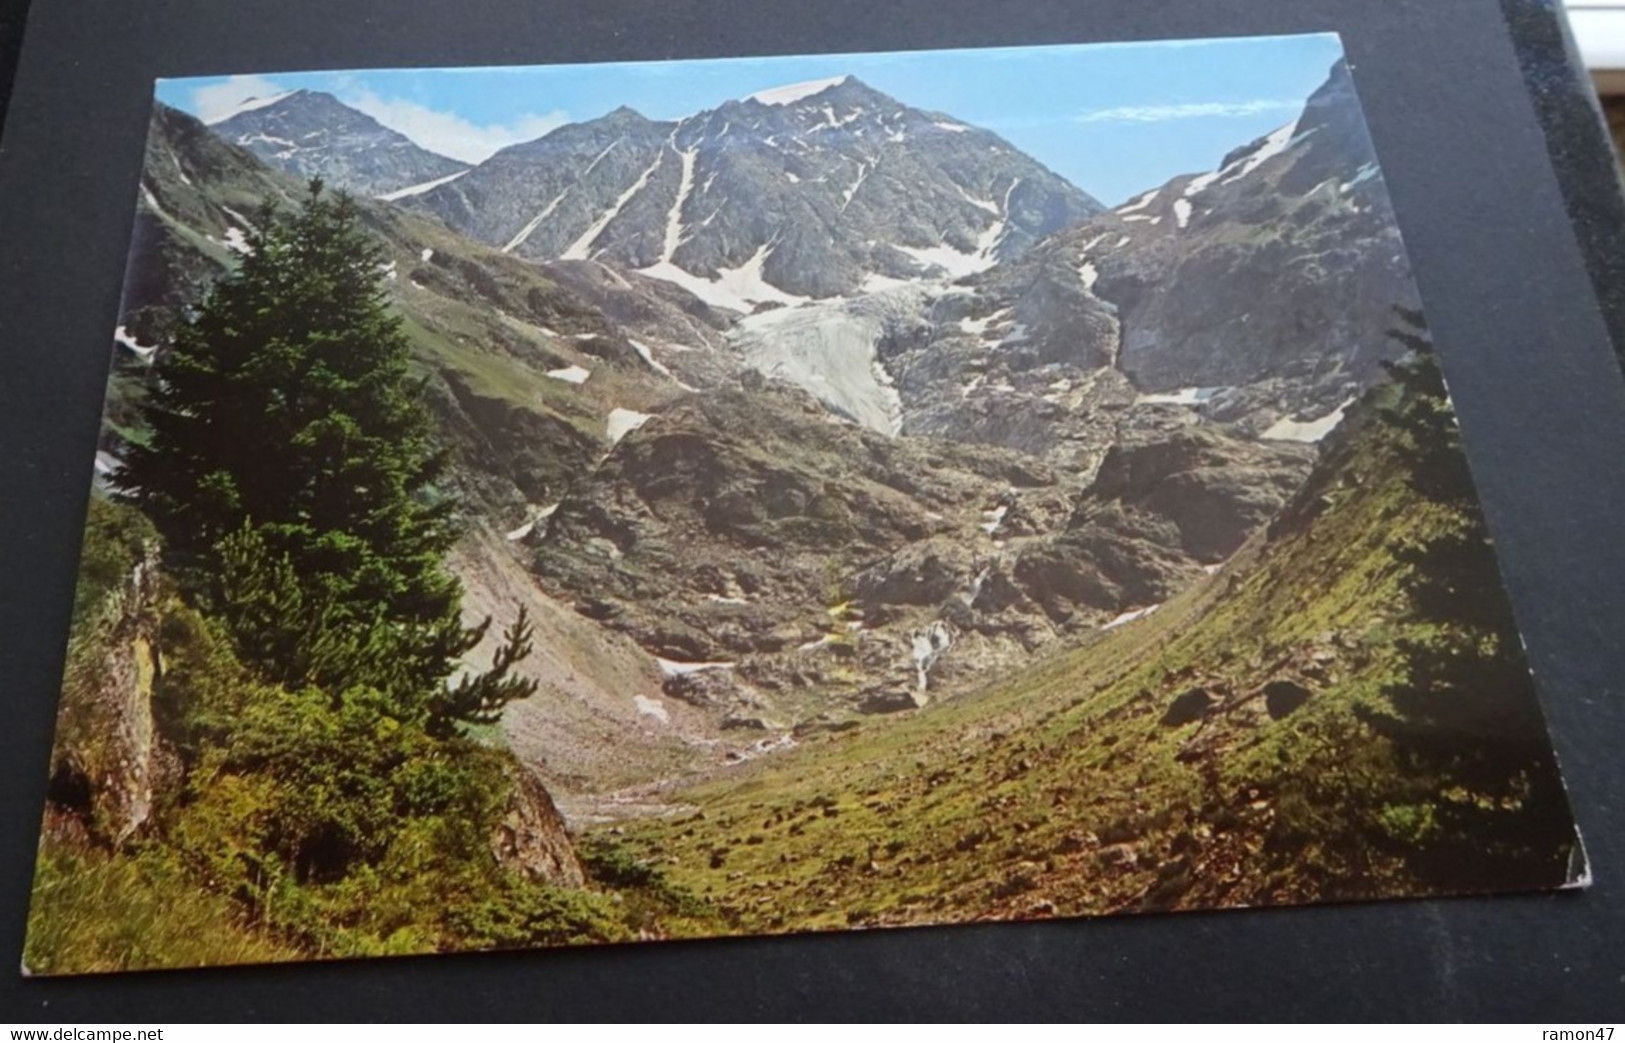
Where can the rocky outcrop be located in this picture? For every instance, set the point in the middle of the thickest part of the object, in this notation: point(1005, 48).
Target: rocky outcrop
point(531, 837)
point(107, 760)
point(1213, 487)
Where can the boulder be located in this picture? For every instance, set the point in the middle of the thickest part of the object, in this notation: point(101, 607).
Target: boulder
point(890, 699)
point(1283, 697)
point(1190, 707)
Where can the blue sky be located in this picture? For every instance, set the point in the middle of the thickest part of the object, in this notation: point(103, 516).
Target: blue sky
point(1114, 119)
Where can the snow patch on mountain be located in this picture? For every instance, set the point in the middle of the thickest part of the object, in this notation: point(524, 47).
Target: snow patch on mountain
point(1139, 202)
point(1288, 430)
point(623, 422)
point(570, 374)
point(600, 158)
point(673, 668)
point(978, 327)
point(952, 261)
point(524, 233)
point(1130, 617)
point(1202, 182)
point(793, 92)
point(674, 219)
point(1179, 397)
point(1182, 212)
point(981, 204)
point(737, 289)
point(846, 197)
point(1278, 142)
point(829, 348)
point(577, 251)
point(874, 282)
point(419, 189)
point(1361, 176)
point(832, 121)
point(647, 354)
point(250, 104)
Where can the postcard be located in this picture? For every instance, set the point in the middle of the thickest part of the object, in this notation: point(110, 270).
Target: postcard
point(599, 503)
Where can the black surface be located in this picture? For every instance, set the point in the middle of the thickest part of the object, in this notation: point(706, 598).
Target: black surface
point(1509, 297)
point(1581, 150)
point(13, 13)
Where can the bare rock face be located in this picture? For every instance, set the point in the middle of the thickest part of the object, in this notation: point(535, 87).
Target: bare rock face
point(532, 838)
point(1167, 502)
point(1213, 487)
point(814, 191)
point(1282, 266)
point(107, 761)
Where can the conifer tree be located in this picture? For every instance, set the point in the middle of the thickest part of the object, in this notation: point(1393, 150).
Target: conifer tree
point(1465, 712)
point(290, 468)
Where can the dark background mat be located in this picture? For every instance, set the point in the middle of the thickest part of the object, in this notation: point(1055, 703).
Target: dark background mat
point(1507, 197)
point(13, 13)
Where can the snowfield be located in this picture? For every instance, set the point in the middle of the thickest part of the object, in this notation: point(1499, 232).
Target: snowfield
point(623, 422)
point(1179, 397)
point(673, 668)
point(794, 92)
point(570, 374)
point(1288, 430)
point(737, 289)
point(250, 105)
point(828, 348)
point(419, 189)
point(1129, 617)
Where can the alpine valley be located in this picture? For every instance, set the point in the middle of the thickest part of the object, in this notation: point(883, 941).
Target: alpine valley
point(907, 537)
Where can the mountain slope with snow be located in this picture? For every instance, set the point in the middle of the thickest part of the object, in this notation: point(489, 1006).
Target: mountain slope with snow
point(1268, 284)
point(808, 191)
point(313, 134)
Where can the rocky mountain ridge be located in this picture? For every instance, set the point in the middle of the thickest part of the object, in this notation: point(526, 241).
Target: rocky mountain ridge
point(311, 133)
point(810, 191)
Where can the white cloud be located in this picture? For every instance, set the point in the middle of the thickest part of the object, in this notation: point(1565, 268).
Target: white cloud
point(213, 103)
point(1194, 110)
point(448, 133)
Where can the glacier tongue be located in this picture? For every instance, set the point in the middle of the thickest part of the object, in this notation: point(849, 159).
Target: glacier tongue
point(829, 349)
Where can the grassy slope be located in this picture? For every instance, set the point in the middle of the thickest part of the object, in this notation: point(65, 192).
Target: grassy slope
point(94, 912)
point(1065, 791)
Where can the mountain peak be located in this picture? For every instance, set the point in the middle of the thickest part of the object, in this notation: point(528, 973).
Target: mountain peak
point(791, 93)
point(250, 104)
point(626, 114)
point(312, 133)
